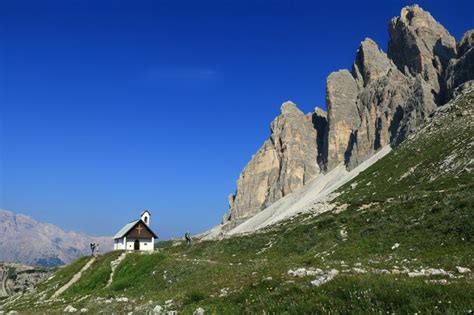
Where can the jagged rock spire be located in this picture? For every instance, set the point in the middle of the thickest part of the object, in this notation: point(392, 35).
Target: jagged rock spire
point(385, 98)
point(285, 162)
point(371, 63)
point(420, 45)
point(343, 116)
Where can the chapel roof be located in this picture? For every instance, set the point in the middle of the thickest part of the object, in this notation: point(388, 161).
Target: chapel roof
point(124, 230)
point(129, 226)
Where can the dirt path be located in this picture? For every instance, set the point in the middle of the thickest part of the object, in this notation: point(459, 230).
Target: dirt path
point(73, 280)
point(114, 264)
point(3, 283)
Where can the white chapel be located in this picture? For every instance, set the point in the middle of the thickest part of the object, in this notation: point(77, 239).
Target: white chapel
point(136, 235)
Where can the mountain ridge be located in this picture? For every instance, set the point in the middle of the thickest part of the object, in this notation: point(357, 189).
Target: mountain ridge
point(25, 240)
point(383, 99)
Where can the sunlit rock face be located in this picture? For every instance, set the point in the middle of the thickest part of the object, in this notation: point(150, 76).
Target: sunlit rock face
point(380, 102)
point(420, 45)
point(343, 117)
point(285, 162)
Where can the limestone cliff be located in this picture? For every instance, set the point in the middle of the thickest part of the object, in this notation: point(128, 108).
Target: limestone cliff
point(285, 162)
point(385, 98)
point(461, 70)
point(420, 45)
point(396, 91)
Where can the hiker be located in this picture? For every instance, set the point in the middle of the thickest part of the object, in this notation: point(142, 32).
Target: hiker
point(187, 237)
point(92, 245)
point(96, 249)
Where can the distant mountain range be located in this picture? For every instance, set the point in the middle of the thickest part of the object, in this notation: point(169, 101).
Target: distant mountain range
point(25, 240)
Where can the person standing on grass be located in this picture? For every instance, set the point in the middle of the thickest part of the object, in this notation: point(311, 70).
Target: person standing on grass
point(187, 237)
point(92, 245)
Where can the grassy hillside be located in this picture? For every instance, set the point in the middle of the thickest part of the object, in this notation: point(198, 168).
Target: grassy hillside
point(411, 211)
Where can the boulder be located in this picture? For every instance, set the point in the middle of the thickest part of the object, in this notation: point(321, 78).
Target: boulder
point(199, 311)
point(158, 309)
point(325, 278)
point(70, 309)
point(463, 270)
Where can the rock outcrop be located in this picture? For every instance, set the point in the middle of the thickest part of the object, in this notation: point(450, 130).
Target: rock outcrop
point(396, 91)
point(420, 45)
point(385, 98)
point(461, 70)
point(343, 118)
point(286, 162)
point(17, 278)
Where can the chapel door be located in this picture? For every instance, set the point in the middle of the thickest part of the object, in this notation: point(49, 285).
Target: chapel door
point(136, 245)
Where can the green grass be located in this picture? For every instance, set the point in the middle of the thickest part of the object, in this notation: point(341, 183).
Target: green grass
point(410, 197)
point(135, 271)
point(94, 278)
point(62, 276)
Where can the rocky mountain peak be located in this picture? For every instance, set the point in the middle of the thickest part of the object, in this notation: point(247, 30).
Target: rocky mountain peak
point(343, 116)
point(320, 112)
point(285, 162)
point(466, 43)
point(420, 45)
point(385, 98)
point(290, 108)
point(371, 62)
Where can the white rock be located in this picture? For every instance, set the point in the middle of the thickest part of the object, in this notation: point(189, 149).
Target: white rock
point(224, 292)
point(325, 278)
point(199, 311)
point(313, 272)
point(415, 274)
point(158, 309)
point(395, 246)
point(442, 281)
point(68, 309)
point(463, 270)
point(300, 272)
point(436, 272)
point(359, 270)
point(303, 272)
point(84, 310)
point(343, 234)
point(168, 302)
point(172, 313)
point(12, 313)
point(122, 299)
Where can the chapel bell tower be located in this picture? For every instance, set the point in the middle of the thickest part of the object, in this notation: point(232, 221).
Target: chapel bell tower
point(145, 216)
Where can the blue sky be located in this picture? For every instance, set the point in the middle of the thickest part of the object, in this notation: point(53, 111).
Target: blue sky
point(112, 107)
